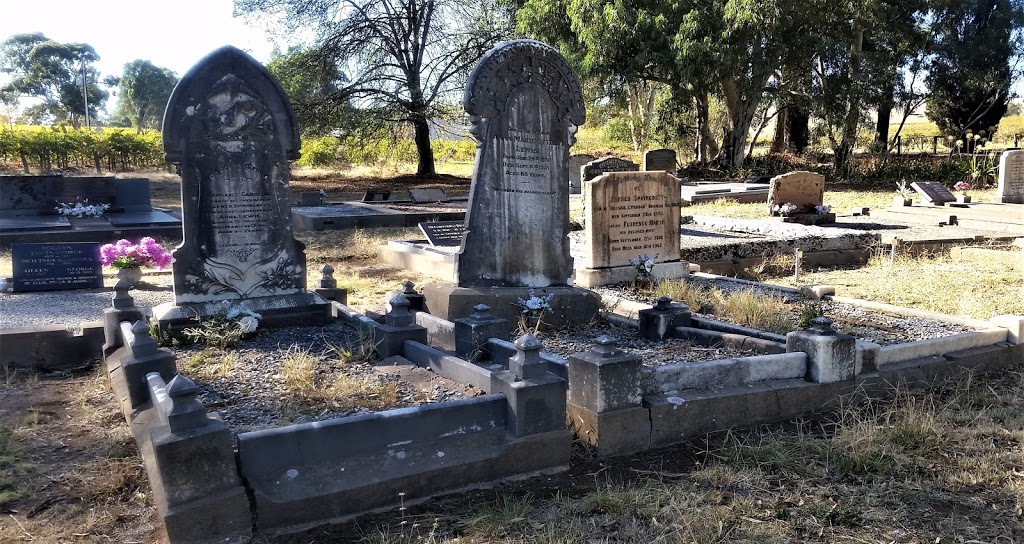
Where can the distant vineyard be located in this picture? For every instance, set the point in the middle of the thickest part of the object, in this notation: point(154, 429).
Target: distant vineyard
point(35, 148)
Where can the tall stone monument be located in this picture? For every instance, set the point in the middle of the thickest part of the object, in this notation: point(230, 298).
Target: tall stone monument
point(230, 128)
point(525, 105)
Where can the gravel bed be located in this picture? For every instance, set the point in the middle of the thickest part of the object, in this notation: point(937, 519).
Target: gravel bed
point(70, 308)
point(671, 351)
point(878, 327)
point(250, 391)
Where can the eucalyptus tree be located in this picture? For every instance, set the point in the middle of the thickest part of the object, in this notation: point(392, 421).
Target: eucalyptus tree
point(401, 61)
point(970, 73)
point(58, 74)
point(143, 92)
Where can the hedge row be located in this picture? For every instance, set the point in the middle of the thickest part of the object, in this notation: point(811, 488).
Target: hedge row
point(329, 151)
point(56, 148)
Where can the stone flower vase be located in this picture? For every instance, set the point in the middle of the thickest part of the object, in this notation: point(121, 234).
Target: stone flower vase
point(131, 275)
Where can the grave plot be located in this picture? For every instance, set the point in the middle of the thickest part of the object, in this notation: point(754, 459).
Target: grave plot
point(303, 374)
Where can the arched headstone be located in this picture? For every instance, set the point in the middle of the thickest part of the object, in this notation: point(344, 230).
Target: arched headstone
point(525, 105)
point(229, 126)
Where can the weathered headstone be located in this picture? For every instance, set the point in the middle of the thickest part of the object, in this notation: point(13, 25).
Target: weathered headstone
point(443, 233)
point(230, 127)
point(1011, 178)
point(428, 194)
point(51, 267)
point(663, 160)
point(525, 105)
point(576, 163)
point(934, 192)
point(608, 164)
point(805, 190)
point(629, 214)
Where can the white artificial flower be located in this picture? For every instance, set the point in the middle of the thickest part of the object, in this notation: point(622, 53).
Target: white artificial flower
point(248, 324)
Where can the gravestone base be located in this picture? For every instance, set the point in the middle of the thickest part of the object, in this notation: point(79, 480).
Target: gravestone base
point(594, 277)
point(571, 306)
point(277, 312)
point(811, 218)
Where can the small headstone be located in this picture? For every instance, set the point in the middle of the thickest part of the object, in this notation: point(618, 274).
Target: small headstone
point(805, 190)
point(629, 214)
point(525, 105)
point(934, 192)
point(132, 195)
point(593, 169)
point(376, 195)
point(52, 267)
point(311, 198)
point(1011, 178)
point(94, 190)
point(576, 163)
point(230, 127)
point(428, 194)
point(660, 160)
point(444, 233)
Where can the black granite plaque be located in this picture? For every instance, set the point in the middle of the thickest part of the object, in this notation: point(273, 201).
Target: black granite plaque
point(444, 233)
point(933, 192)
point(54, 267)
point(376, 195)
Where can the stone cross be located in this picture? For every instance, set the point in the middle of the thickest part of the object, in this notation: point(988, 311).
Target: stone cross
point(229, 126)
point(525, 105)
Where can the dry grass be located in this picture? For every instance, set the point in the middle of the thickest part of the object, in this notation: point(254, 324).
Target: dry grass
point(318, 384)
point(745, 307)
point(984, 287)
point(924, 467)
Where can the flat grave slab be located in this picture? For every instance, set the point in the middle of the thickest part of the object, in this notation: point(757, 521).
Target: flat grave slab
point(428, 194)
point(143, 218)
point(15, 224)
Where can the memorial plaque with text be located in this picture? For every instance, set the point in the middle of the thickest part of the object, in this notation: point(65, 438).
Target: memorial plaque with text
point(933, 192)
point(524, 104)
point(605, 165)
point(1011, 178)
point(444, 233)
point(54, 267)
point(629, 214)
point(663, 160)
point(231, 128)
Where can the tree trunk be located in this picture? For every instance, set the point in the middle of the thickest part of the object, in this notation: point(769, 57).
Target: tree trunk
point(779, 137)
point(844, 151)
point(885, 105)
point(702, 148)
point(741, 114)
point(425, 166)
point(798, 133)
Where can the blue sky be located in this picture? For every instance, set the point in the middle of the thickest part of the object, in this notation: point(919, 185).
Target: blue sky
point(170, 33)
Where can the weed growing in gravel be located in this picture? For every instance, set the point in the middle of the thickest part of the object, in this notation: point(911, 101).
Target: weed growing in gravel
point(319, 385)
point(751, 308)
point(692, 294)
